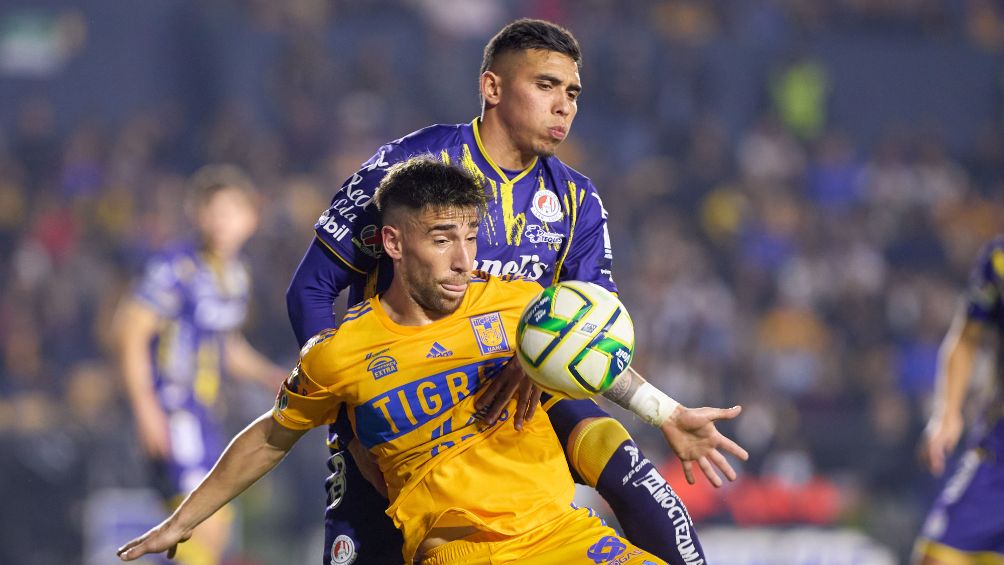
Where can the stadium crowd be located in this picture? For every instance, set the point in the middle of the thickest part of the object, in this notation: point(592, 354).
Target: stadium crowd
point(787, 261)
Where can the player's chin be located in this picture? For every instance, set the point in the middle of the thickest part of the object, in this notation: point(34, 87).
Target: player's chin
point(547, 148)
point(449, 302)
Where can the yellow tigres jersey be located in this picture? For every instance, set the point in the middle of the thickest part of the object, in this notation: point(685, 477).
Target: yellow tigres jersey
point(409, 392)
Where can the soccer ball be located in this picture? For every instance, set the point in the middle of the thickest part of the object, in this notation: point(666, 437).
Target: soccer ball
point(574, 339)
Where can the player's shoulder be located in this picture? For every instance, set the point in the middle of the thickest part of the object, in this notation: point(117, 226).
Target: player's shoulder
point(430, 139)
point(177, 261)
point(563, 170)
point(319, 352)
point(501, 287)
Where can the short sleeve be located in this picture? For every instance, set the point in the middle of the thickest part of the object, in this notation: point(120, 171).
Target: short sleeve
point(159, 286)
point(303, 404)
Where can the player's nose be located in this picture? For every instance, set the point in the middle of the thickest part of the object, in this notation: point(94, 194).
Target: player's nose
point(462, 259)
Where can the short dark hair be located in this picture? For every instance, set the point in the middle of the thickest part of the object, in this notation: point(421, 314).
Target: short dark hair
point(526, 33)
point(210, 179)
point(422, 182)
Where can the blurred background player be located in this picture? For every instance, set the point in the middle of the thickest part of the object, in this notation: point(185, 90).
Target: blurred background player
point(546, 222)
point(178, 336)
point(966, 524)
point(461, 491)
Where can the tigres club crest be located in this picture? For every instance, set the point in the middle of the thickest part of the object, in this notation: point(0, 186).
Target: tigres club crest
point(490, 333)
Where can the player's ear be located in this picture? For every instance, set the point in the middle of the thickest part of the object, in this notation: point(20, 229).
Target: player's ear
point(391, 241)
point(491, 88)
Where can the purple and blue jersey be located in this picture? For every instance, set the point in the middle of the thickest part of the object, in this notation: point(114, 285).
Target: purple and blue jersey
point(966, 522)
point(544, 223)
point(199, 301)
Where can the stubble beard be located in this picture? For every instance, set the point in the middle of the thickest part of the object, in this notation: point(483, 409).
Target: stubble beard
point(429, 297)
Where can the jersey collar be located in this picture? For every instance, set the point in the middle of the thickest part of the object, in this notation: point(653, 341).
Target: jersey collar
point(393, 326)
point(498, 169)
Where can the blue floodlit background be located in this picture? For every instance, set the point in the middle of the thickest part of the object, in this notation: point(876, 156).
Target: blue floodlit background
point(796, 191)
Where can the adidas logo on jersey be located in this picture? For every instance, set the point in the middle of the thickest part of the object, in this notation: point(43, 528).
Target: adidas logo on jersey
point(438, 351)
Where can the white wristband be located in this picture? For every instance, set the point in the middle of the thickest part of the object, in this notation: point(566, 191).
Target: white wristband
point(652, 405)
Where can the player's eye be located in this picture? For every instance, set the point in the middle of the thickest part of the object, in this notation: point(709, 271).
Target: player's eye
point(441, 241)
point(544, 85)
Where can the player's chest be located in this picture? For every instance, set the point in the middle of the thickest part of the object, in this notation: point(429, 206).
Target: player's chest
point(215, 301)
point(524, 230)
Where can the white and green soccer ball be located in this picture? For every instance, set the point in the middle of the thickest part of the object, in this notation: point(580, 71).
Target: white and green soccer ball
point(574, 339)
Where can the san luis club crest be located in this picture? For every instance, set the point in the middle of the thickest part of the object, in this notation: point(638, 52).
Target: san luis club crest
point(546, 206)
point(490, 333)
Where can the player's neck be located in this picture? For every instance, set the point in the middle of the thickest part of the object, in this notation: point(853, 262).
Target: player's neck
point(499, 145)
point(403, 310)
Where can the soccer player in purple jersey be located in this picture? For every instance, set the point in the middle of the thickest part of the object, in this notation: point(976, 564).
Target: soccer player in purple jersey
point(966, 524)
point(545, 222)
point(177, 335)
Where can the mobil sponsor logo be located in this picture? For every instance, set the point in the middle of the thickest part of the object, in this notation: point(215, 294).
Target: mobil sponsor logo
point(664, 495)
point(527, 266)
point(400, 410)
point(333, 224)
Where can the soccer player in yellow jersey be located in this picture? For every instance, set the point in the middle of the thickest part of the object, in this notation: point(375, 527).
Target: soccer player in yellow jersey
point(407, 366)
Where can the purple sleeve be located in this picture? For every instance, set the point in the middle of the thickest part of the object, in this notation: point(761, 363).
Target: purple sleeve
point(350, 227)
point(983, 293)
point(347, 244)
point(312, 292)
point(590, 258)
point(159, 286)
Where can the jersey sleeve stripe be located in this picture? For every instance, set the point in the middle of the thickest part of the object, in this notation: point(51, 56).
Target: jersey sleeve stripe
point(340, 258)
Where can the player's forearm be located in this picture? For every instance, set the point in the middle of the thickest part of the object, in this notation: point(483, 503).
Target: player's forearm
point(955, 367)
point(632, 392)
point(245, 362)
point(137, 374)
point(249, 457)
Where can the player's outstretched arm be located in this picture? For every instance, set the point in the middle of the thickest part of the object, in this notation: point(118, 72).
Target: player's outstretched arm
point(690, 432)
point(955, 366)
point(251, 454)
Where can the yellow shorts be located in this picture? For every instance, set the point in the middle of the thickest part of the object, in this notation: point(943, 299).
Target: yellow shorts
point(575, 537)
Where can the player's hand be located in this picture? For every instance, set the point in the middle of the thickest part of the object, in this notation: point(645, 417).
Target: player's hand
point(163, 537)
point(940, 438)
point(692, 434)
point(153, 432)
point(509, 381)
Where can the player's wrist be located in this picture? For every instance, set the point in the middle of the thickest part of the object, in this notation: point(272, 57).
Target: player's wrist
point(653, 406)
